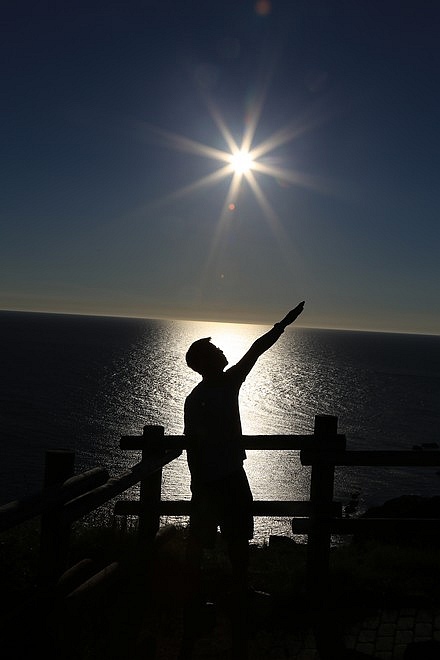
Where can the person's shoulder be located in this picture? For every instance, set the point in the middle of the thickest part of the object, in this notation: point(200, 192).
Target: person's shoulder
point(197, 389)
point(234, 374)
point(193, 392)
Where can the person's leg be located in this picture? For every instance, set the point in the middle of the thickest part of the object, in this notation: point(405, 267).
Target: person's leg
point(202, 531)
point(193, 563)
point(193, 568)
point(237, 528)
point(238, 549)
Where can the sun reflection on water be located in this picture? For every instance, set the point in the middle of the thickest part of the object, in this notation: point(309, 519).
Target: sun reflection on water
point(272, 474)
point(305, 373)
point(148, 384)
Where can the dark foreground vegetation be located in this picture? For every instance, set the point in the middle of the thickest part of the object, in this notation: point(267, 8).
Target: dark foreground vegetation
point(145, 594)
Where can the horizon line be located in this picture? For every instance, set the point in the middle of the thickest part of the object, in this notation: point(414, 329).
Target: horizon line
point(213, 320)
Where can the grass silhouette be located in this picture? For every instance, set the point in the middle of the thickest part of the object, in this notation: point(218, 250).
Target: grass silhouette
point(143, 607)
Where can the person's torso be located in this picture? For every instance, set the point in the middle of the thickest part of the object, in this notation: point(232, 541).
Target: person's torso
point(213, 429)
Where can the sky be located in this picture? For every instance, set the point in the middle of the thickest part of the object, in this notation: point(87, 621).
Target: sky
point(119, 196)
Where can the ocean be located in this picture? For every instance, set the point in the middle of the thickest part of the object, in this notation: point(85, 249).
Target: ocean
point(81, 382)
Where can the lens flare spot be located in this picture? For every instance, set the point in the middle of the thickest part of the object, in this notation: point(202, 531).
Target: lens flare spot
point(263, 7)
point(231, 207)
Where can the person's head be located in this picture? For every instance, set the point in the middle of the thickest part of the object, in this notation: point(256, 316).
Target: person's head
point(205, 358)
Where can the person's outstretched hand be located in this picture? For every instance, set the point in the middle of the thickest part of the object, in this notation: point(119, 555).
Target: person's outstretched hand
point(293, 314)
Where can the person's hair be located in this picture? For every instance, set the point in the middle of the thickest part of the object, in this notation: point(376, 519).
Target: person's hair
point(195, 355)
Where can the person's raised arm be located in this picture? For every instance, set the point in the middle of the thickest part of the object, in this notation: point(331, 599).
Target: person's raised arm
point(290, 316)
point(263, 343)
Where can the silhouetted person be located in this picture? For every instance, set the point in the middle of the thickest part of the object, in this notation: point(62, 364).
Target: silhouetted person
point(221, 496)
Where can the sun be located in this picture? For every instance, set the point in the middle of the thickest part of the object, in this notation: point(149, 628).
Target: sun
point(241, 161)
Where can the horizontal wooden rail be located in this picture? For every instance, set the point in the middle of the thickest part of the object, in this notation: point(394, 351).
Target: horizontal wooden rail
point(266, 442)
point(371, 525)
point(260, 508)
point(379, 458)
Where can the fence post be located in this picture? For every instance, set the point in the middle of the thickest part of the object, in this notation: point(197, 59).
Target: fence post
point(55, 534)
point(150, 487)
point(321, 497)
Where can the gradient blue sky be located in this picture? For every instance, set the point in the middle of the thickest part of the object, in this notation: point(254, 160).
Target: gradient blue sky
point(97, 211)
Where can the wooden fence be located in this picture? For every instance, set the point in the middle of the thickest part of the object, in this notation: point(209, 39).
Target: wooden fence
point(67, 498)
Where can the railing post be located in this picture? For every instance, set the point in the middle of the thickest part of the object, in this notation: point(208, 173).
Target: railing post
point(150, 488)
point(55, 534)
point(321, 497)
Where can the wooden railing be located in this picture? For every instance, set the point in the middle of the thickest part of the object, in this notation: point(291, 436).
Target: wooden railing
point(67, 498)
point(320, 516)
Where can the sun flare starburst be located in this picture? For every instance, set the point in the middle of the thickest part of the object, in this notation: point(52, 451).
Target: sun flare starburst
point(241, 161)
point(244, 162)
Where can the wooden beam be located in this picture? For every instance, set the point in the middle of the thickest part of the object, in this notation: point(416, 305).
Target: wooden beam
point(371, 458)
point(260, 508)
point(18, 511)
point(353, 525)
point(267, 442)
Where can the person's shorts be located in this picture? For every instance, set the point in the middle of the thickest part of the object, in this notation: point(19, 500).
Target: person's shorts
point(224, 503)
